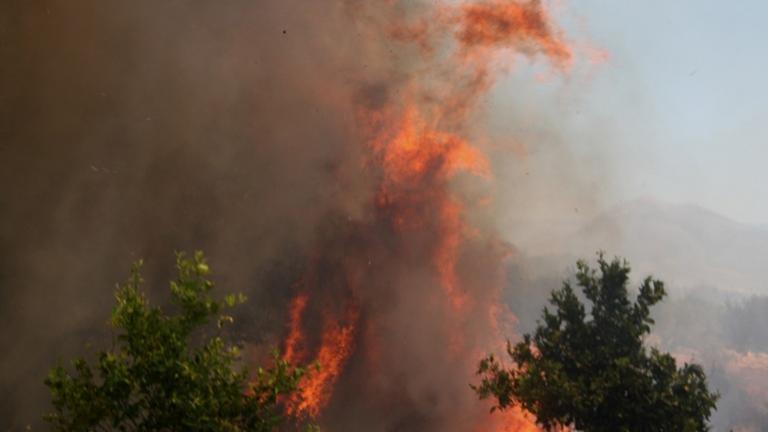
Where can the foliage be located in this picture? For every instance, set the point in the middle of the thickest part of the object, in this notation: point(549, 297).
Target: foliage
point(165, 372)
point(587, 366)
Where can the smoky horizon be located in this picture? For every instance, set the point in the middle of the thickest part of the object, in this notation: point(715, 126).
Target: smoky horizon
point(389, 183)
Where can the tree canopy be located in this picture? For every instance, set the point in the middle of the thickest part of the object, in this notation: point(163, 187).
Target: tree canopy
point(169, 371)
point(586, 365)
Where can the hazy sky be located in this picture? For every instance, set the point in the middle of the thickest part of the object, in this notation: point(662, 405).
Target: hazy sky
point(679, 112)
point(687, 81)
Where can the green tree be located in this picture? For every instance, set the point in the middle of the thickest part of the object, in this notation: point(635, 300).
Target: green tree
point(587, 367)
point(170, 372)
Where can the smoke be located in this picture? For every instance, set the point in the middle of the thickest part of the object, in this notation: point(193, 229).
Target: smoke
point(404, 299)
point(316, 149)
point(135, 129)
point(728, 340)
point(716, 309)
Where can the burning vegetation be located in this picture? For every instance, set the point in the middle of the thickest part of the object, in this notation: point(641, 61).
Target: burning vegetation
point(335, 160)
point(343, 140)
point(398, 303)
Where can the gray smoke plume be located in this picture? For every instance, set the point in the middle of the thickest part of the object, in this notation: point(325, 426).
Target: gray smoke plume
point(130, 130)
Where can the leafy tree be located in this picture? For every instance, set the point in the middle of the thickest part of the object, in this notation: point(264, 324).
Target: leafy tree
point(587, 366)
point(165, 373)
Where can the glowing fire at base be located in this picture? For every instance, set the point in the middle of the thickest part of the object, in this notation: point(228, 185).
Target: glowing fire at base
point(514, 420)
point(417, 229)
point(335, 347)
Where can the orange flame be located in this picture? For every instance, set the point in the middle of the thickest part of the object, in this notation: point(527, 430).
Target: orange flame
point(510, 420)
point(524, 26)
point(316, 387)
point(416, 148)
point(417, 162)
point(294, 339)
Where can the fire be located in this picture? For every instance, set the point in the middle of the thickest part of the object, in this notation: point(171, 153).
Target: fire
point(418, 154)
point(294, 339)
point(416, 145)
point(523, 26)
point(512, 420)
point(336, 346)
point(418, 150)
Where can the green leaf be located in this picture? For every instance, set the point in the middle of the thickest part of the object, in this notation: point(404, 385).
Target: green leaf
point(591, 370)
point(159, 377)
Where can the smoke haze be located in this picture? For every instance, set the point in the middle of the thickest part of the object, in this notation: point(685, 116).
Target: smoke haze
point(135, 129)
point(131, 130)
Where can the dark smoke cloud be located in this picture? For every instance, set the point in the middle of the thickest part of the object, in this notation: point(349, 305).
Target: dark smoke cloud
point(133, 129)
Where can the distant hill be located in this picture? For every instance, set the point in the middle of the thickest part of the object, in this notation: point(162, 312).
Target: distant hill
point(715, 270)
point(685, 245)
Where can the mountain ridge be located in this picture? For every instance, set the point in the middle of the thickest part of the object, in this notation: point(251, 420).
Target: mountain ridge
point(686, 245)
